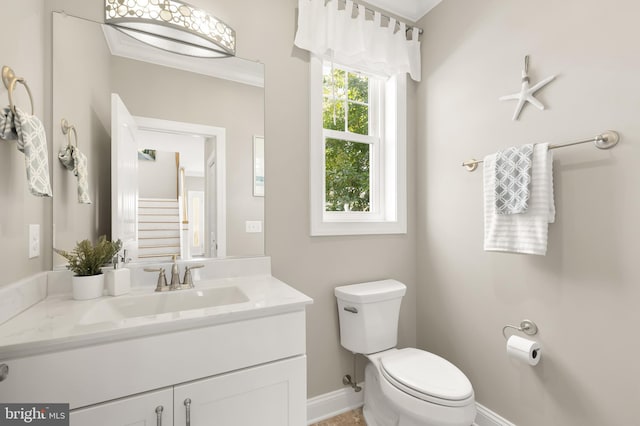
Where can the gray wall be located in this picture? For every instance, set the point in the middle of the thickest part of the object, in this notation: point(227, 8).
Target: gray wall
point(312, 265)
point(23, 29)
point(158, 179)
point(176, 95)
point(584, 293)
point(82, 93)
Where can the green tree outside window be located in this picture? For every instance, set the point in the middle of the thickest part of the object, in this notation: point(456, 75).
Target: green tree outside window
point(347, 162)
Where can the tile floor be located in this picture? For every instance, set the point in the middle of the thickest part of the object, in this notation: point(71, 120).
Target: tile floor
point(350, 418)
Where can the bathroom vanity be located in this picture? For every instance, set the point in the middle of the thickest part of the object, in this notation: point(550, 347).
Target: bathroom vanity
point(148, 358)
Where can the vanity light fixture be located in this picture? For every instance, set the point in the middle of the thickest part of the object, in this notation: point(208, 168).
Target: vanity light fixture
point(172, 25)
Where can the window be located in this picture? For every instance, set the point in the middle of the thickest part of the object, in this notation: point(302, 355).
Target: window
point(351, 133)
point(358, 144)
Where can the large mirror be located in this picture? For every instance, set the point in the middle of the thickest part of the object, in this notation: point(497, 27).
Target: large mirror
point(170, 142)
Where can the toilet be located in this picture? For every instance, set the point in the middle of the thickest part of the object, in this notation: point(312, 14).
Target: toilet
point(403, 387)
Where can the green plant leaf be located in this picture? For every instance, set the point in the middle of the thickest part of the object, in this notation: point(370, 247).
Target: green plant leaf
point(88, 259)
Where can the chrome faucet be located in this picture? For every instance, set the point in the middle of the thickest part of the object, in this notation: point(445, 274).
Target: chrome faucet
point(175, 275)
point(175, 284)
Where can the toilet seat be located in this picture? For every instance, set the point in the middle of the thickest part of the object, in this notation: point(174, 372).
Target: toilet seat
point(427, 376)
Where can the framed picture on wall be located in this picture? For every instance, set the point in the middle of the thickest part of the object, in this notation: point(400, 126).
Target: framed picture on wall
point(258, 166)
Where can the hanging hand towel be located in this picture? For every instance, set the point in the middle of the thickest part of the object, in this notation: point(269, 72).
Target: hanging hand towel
point(527, 232)
point(75, 161)
point(513, 176)
point(31, 139)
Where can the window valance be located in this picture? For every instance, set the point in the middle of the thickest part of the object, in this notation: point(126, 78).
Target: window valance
point(349, 38)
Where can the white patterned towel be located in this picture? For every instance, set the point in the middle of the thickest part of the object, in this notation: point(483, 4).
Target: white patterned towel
point(527, 232)
point(31, 139)
point(76, 161)
point(513, 176)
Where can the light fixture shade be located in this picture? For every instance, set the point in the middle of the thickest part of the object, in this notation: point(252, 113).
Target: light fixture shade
point(172, 25)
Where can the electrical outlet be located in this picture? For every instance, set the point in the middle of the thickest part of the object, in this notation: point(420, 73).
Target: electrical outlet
point(34, 241)
point(253, 226)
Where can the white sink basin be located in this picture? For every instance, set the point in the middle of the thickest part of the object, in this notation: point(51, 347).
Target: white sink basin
point(125, 308)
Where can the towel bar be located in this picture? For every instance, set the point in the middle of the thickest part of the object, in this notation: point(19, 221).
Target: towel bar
point(605, 140)
point(9, 79)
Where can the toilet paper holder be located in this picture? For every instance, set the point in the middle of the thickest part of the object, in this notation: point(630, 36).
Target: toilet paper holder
point(526, 326)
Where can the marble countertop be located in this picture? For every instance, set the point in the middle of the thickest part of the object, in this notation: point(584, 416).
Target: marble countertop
point(59, 323)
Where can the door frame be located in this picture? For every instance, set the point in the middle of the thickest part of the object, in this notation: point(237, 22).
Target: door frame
point(213, 135)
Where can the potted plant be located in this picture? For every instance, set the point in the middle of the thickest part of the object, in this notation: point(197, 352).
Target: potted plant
point(86, 262)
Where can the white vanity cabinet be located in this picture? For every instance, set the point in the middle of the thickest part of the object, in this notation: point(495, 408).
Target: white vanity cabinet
point(268, 395)
point(116, 360)
point(237, 373)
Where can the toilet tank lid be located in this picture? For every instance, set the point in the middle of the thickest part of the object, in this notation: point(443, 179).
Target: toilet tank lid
point(374, 291)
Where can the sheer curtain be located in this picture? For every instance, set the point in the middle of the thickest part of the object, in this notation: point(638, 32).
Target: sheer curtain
point(346, 36)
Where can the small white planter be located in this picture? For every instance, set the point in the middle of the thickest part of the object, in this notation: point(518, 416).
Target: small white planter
point(89, 287)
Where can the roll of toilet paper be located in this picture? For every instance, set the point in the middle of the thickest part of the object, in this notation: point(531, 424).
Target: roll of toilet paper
point(524, 350)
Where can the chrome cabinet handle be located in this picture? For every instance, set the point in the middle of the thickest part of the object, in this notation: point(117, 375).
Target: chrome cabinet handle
point(159, 410)
point(187, 403)
point(4, 371)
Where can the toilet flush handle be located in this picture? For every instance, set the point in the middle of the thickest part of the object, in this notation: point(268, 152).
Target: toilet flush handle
point(351, 309)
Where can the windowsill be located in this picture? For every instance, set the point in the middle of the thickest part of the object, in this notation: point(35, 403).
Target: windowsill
point(324, 229)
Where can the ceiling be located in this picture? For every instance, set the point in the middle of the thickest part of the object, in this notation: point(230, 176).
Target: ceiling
point(407, 9)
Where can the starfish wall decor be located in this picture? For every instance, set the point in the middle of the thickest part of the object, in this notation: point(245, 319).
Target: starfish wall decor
point(526, 92)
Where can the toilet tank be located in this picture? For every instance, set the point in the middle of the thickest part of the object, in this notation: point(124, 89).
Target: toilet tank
point(368, 315)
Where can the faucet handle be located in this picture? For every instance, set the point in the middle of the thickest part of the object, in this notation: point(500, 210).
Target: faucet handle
point(125, 258)
point(188, 280)
point(162, 278)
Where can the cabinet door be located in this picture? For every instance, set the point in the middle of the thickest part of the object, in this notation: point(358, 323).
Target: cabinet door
point(273, 394)
point(139, 410)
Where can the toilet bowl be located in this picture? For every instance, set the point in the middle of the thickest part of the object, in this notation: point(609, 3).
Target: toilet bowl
point(410, 387)
point(403, 387)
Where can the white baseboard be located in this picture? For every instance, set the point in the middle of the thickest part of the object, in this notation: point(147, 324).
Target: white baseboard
point(334, 403)
point(486, 417)
point(331, 404)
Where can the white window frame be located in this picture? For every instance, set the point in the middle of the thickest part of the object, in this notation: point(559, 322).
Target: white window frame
point(388, 180)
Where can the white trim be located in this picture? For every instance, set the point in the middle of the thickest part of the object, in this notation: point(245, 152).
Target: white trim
point(216, 135)
point(486, 417)
point(393, 176)
point(233, 68)
point(334, 403)
point(396, 154)
point(349, 136)
point(328, 405)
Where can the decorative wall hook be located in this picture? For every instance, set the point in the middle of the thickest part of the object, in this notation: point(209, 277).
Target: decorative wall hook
point(526, 91)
